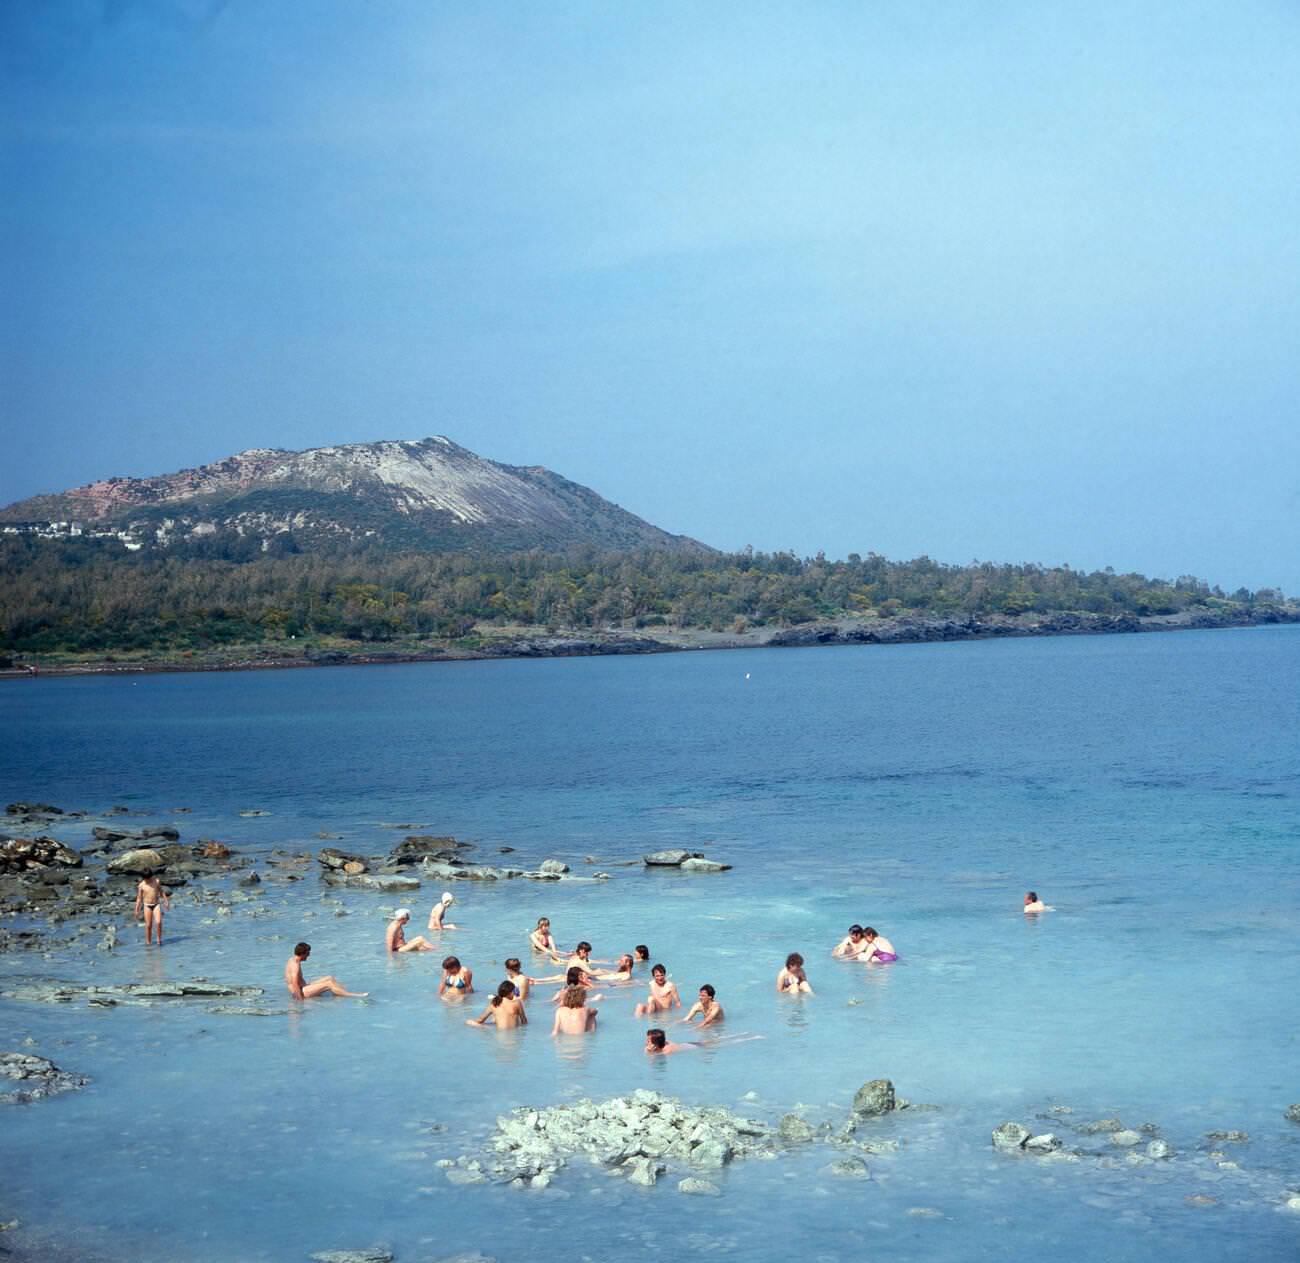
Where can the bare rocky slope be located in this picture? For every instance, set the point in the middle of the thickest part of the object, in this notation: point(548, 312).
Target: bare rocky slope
point(428, 493)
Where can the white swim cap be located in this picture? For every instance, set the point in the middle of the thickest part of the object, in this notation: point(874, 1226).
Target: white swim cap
point(402, 912)
point(448, 897)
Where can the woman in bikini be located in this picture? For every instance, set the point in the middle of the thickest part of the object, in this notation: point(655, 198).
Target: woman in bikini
point(541, 939)
point(792, 978)
point(457, 981)
point(151, 898)
point(505, 1009)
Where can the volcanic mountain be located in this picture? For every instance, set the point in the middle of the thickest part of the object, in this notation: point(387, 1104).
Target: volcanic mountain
point(425, 494)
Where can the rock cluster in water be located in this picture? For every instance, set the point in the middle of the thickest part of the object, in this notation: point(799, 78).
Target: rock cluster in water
point(39, 1078)
point(52, 991)
point(642, 1136)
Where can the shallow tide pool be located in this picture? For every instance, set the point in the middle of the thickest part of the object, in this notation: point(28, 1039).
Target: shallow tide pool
point(1146, 785)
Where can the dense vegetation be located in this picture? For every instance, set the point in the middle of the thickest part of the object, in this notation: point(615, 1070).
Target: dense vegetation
point(92, 597)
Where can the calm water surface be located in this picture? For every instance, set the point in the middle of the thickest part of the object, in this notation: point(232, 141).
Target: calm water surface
point(1147, 786)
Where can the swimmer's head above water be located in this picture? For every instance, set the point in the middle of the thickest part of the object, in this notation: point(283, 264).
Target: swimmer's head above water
point(655, 1040)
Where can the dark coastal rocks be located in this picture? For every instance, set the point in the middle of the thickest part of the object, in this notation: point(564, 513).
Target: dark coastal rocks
point(19, 855)
point(33, 811)
point(794, 1130)
point(138, 863)
point(331, 858)
point(672, 858)
point(1228, 1137)
point(38, 1078)
point(53, 991)
point(161, 833)
point(372, 881)
point(421, 846)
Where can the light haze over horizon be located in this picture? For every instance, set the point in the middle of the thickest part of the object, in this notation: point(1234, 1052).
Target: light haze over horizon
point(999, 281)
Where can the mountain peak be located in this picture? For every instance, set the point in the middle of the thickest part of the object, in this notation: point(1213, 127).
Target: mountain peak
point(417, 493)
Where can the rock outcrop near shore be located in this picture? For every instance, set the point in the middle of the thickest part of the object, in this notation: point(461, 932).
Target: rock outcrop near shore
point(38, 1078)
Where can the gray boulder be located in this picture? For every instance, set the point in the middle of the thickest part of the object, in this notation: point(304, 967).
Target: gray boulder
point(140, 862)
point(643, 1171)
point(331, 858)
point(553, 868)
point(794, 1130)
point(1228, 1137)
point(24, 854)
point(1100, 1127)
point(39, 1078)
point(672, 858)
point(1292, 1114)
point(874, 1098)
point(1126, 1139)
point(696, 865)
point(1159, 1149)
point(1045, 1143)
point(1010, 1137)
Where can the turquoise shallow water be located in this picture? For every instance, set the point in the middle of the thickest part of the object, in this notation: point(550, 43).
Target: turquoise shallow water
point(1147, 786)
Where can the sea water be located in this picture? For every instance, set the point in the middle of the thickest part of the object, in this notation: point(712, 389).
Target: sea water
point(1146, 786)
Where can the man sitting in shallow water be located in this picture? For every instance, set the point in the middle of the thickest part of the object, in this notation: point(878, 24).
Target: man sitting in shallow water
point(301, 990)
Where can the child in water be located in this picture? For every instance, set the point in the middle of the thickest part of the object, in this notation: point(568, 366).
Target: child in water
point(152, 899)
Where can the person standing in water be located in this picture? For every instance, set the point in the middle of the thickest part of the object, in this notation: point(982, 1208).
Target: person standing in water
point(151, 898)
point(395, 939)
point(573, 1017)
point(792, 978)
point(879, 950)
point(505, 1009)
point(1034, 904)
point(541, 940)
point(301, 990)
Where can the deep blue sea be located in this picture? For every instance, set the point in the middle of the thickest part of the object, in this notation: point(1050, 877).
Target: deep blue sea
point(1148, 787)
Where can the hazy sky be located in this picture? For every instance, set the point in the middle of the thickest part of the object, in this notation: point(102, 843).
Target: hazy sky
point(1002, 281)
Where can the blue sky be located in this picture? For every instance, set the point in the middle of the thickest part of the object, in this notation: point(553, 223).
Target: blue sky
point(1012, 282)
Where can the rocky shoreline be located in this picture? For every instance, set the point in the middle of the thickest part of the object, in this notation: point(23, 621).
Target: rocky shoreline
point(902, 630)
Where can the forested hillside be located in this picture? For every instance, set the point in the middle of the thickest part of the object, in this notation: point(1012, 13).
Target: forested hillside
point(82, 596)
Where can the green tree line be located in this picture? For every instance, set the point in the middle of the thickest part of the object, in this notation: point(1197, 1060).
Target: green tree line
point(91, 596)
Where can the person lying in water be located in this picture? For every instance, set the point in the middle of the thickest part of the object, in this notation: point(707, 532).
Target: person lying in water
point(302, 990)
point(879, 950)
point(395, 939)
point(623, 973)
point(706, 1007)
point(1034, 904)
point(573, 1017)
point(456, 981)
point(525, 982)
point(851, 944)
point(439, 911)
point(663, 994)
point(792, 978)
point(505, 1008)
point(657, 1042)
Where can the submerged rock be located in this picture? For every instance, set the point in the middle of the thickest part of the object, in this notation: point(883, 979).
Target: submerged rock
point(52, 991)
point(33, 809)
point(421, 846)
point(1099, 1127)
point(1126, 1139)
point(375, 1253)
point(851, 1169)
point(39, 1078)
point(698, 1188)
point(795, 1130)
point(551, 868)
point(1228, 1137)
point(1159, 1149)
point(1292, 1114)
point(874, 1098)
point(1045, 1143)
point(330, 857)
